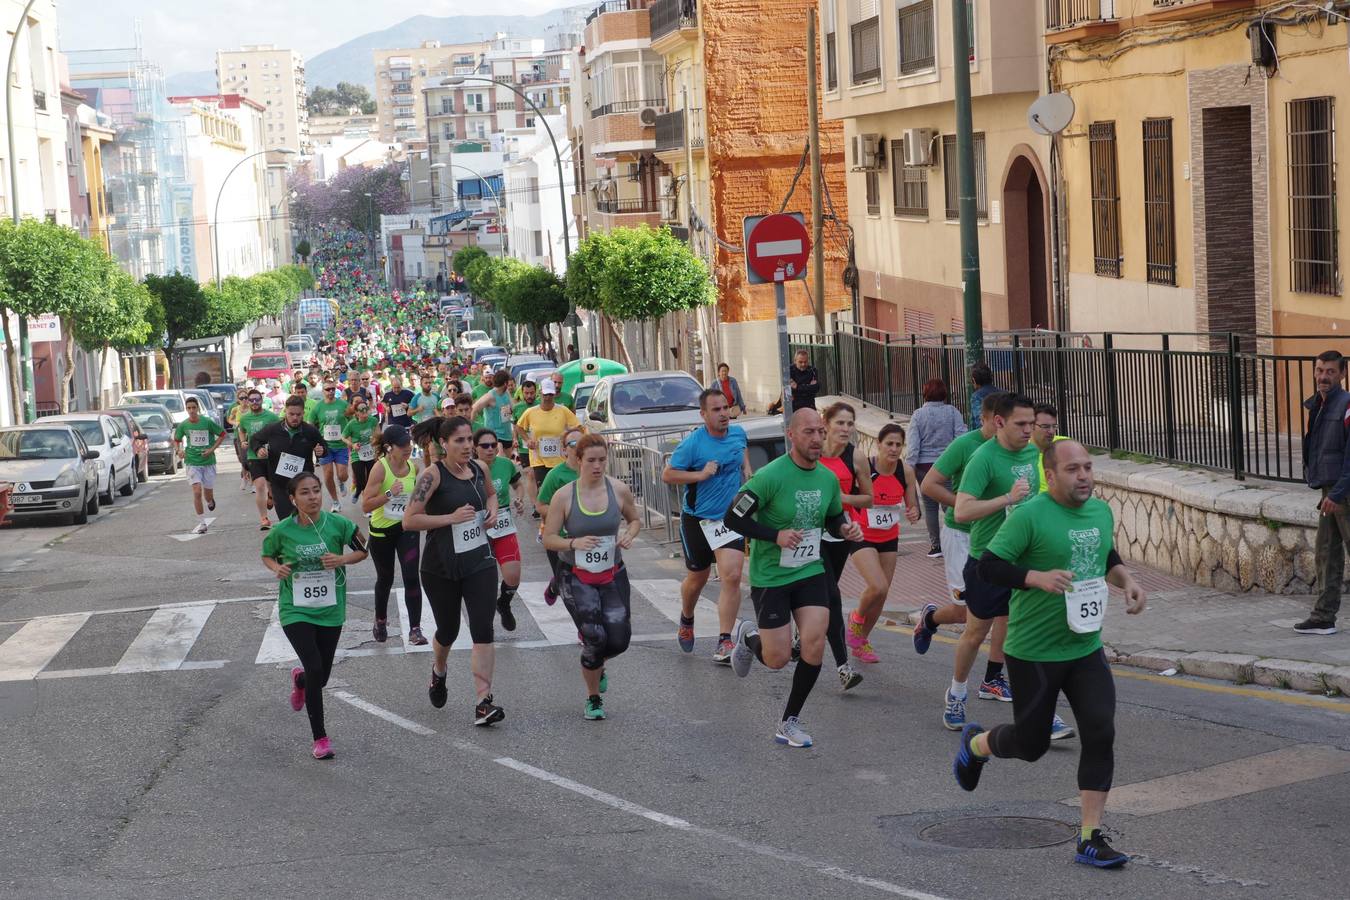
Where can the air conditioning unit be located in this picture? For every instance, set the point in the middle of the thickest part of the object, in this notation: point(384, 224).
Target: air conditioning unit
point(869, 152)
point(919, 146)
point(647, 115)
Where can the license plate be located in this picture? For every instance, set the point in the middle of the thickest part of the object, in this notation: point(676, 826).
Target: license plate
point(26, 499)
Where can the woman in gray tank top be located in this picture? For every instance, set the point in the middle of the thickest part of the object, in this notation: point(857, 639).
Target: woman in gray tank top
point(589, 524)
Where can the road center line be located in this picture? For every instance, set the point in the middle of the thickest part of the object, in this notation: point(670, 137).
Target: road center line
point(381, 712)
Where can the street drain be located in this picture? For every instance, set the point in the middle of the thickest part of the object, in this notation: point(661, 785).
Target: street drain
point(999, 833)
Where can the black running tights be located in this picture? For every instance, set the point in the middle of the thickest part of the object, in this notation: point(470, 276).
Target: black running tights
point(315, 645)
point(602, 614)
point(361, 474)
point(449, 596)
point(387, 546)
point(835, 555)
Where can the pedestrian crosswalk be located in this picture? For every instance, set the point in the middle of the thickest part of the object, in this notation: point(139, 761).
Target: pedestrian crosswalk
point(168, 637)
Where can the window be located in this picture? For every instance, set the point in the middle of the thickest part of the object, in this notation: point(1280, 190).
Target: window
point(910, 185)
point(865, 45)
point(538, 243)
point(951, 177)
point(873, 192)
point(827, 28)
point(1160, 237)
point(1313, 239)
point(917, 36)
point(1105, 199)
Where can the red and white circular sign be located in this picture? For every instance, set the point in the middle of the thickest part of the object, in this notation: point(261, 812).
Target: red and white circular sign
point(778, 248)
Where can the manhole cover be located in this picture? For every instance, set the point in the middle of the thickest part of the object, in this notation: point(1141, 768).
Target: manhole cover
point(999, 833)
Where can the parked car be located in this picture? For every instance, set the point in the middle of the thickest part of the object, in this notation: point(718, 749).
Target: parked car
point(480, 353)
point(471, 340)
point(53, 471)
point(269, 364)
point(302, 348)
point(581, 396)
point(116, 461)
point(493, 361)
point(207, 404)
point(156, 423)
point(126, 423)
point(638, 400)
point(523, 361)
point(225, 396)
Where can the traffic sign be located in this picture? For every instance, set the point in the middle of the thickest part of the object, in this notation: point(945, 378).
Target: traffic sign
point(776, 248)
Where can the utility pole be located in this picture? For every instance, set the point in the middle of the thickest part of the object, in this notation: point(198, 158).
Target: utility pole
point(813, 141)
point(965, 166)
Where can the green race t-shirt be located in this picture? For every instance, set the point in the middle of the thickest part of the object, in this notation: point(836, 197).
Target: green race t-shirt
point(252, 423)
point(505, 474)
point(1041, 534)
point(992, 472)
point(952, 463)
point(360, 432)
point(519, 408)
point(200, 436)
point(301, 547)
point(329, 418)
point(790, 498)
point(557, 477)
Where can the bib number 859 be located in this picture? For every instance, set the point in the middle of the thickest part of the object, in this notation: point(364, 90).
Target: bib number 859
point(317, 592)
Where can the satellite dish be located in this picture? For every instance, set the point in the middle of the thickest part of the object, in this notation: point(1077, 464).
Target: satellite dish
point(1050, 114)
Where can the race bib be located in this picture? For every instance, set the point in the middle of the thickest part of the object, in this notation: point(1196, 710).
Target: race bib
point(470, 535)
point(717, 533)
point(366, 453)
point(600, 558)
point(883, 518)
point(398, 409)
point(199, 438)
point(332, 432)
point(808, 551)
point(1085, 604)
point(395, 506)
point(503, 524)
point(289, 465)
point(549, 447)
point(314, 588)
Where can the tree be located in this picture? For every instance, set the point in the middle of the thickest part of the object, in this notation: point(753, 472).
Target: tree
point(121, 323)
point(340, 100)
point(464, 256)
point(480, 274)
point(178, 307)
point(530, 295)
point(303, 250)
point(343, 199)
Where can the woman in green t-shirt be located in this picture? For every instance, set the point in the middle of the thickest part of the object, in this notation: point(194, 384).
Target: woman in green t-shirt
point(502, 532)
point(304, 551)
point(358, 434)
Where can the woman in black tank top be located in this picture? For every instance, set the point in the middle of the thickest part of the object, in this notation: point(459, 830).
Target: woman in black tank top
point(452, 502)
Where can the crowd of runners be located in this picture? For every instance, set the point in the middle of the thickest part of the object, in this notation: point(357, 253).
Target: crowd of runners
point(392, 426)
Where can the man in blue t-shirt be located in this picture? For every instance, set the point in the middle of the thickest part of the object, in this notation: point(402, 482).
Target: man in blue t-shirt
point(712, 463)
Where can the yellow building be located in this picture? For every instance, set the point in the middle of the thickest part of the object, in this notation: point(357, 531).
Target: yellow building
point(93, 136)
point(273, 77)
point(402, 75)
point(1200, 165)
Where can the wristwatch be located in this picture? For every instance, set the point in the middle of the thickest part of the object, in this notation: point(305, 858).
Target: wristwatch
point(389, 495)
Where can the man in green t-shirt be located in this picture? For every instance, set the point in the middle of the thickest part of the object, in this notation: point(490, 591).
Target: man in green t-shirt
point(1055, 554)
point(251, 421)
point(202, 436)
point(529, 396)
point(329, 415)
point(783, 510)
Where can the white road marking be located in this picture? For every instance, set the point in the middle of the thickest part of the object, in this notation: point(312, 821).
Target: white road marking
point(395, 718)
point(664, 594)
point(28, 650)
point(275, 647)
point(165, 641)
point(15, 565)
point(554, 621)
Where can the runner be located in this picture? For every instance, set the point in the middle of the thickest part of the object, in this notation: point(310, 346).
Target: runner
point(304, 551)
point(252, 421)
point(1045, 434)
point(1055, 554)
point(712, 463)
point(384, 499)
point(358, 435)
point(540, 428)
point(892, 481)
point(237, 409)
point(287, 448)
point(330, 415)
point(452, 502)
point(784, 509)
point(557, 477)
point(424, 404)
point(599, 517)
point(397, 401)
point(502, 532)
point(495, 408)
point(202, 436)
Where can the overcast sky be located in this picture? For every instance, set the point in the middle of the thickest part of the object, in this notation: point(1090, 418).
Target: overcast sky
point(183, 35)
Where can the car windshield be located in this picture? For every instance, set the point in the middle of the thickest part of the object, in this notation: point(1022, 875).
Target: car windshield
point(582, 395)
point(475, 336)
point(222, 395)
point(654, 395)
point(296, 346)
point(91, 431)
point(269, 362)
point(47, 443)
point(150, 419)
point(172, 401)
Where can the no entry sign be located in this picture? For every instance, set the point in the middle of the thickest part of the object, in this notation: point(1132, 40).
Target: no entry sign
point(776, 247)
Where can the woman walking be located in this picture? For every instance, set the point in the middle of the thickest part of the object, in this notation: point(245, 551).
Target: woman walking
point(932, 427)
point(590, 522)
point(385, 499)
point(304, 551)
point(502, 532)
point(453, 501)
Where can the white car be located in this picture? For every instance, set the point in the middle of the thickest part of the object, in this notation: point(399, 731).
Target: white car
point(644, 400)
point(471, 340)
point(175, 401)
point(52, 471)
point(116, 458)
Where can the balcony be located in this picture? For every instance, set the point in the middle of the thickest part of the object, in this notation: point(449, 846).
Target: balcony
point(1183, 10)
point(673, 21)
point(403, 87)
point(670, 130)
point(610, 6)
point(627, 106)
point(617, 21)
point(614, 213)
point(1076, 20)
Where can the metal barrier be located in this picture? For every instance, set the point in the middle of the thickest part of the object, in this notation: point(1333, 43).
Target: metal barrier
point(640, 466)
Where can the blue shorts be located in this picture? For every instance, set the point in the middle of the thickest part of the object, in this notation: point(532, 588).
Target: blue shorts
point(335, 456)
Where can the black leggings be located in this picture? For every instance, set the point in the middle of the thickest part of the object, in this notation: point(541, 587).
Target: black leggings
point(601, 613)
point(280, 498)
point(361, 474)
point(448, 596)
point(835, 555)
point(315, 645)
point(1091, 692)
point(387, 545)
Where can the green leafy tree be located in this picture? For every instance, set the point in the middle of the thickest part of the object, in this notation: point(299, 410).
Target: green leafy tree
point(122, 322)
point(479, 276)
point(178, 307)
point(530, 295)
point(464, 256)
point(303, 250)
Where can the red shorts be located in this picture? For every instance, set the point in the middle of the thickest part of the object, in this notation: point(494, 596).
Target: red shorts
point(506, 549)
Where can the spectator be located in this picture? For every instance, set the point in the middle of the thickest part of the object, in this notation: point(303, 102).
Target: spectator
point(572, 352)
point(932, 427)
point(1326, 467)
point(983, 379)
point(730, 389)
point(805, 382)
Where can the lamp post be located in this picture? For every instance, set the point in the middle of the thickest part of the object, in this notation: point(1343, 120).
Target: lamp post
point(220, 192)
point(29, 401)
point(572, 319)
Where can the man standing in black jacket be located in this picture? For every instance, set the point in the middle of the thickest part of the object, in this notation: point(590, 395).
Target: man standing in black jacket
point(805, 382)
point(287, 447)
point(1326, 467)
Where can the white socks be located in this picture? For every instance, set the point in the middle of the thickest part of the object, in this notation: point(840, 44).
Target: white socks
point(959, 689)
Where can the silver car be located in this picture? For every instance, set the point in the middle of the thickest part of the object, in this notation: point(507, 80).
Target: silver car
point(116, 457)
point(52, 469)
point(175, 400)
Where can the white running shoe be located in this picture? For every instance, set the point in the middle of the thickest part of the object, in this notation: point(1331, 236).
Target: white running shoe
point(200, 529)
point(337, 506)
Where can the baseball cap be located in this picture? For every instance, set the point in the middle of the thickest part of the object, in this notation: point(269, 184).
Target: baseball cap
point(448, 403)
point(396, 436)
point(546, 386)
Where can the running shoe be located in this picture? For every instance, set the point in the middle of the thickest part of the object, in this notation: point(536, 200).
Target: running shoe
point(853, 634)
point(686, 636)
point(415, 637)
point(954, 716)
point(968, 765)
point(865, 653)
point(437, 691)
point(1060, 730)
point(722, 655)
point(604, 681)
point(1314, 626)
point(848, 678)
point(1095, 851)
point(263, 526)
point(790, 732)
point(337, 506)
point(595, 707)
point(200, 529)
point(210, 506)
point(742, 656)
point(935, 552)
point(923, 635)
point(323, 749)
point(998, 689)
point(380, 630)
point(504, 610)
point(297, 689)
point(550, 595)
point(487, 712)
point(796, 647)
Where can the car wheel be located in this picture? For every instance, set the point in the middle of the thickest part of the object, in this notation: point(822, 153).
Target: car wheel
point(109, 495)
point(82, 516)
point(130, 487)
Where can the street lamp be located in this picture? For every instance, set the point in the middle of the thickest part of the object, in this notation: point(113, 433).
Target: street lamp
point(458, 80)
point(29, 401)
point(496, 198)
point(220, 192)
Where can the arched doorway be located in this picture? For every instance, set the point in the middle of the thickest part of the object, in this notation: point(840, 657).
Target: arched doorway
point(1025, 243)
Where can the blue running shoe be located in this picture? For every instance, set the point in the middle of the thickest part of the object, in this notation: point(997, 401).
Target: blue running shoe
point(954, 716)
point(967, 765)
point(790, 732)
point(1095, 851)
point(1060, 730)
point(923, 635)
point(997, 689)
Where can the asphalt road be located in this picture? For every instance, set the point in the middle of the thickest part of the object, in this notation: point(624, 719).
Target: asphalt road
point(146, 752)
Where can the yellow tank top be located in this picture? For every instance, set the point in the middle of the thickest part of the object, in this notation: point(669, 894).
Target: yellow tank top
point(378, 518)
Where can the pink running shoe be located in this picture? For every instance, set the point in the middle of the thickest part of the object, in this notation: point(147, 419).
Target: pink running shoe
point(853, 634)
point(865, 653)
point(323, 749)
point(297, 692)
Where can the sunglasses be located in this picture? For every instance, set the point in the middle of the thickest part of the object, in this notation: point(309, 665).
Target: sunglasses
point(254, 399)
point(363, 409)
point(570, 444)
point(491, 446)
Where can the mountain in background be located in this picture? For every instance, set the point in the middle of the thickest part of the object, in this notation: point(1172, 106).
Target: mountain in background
point(190, 84)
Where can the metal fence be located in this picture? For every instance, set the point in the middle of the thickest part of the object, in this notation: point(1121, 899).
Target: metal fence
point(638, 459)
point(1197, 399)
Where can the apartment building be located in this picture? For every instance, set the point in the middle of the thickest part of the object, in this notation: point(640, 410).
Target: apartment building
point(274, 78)
point(39, 126)
point(325, 130)
point(402, 75)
